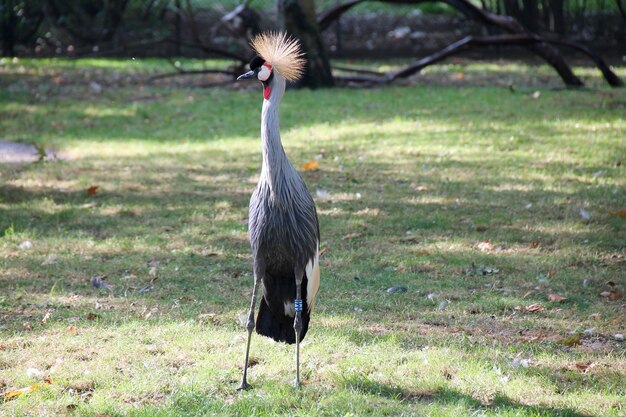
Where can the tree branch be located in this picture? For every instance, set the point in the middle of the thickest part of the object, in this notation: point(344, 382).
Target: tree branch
point(522, 36)
point(193, 26)
point(519, 39)
point(327, 17)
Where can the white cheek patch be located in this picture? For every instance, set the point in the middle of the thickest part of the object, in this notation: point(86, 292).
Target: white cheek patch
point(264, 74)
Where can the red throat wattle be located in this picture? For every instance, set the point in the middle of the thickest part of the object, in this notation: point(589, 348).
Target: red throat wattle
point(266, 92)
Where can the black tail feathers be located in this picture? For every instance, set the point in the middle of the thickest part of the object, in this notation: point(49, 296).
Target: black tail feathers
point(278, 325)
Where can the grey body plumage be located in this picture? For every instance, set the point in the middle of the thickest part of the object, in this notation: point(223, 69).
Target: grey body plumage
point(282, 224)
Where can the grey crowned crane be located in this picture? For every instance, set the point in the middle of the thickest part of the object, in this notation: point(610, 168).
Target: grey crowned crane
point(283, 225)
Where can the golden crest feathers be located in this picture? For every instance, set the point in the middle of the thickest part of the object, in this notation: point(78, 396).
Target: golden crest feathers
point(282, 52)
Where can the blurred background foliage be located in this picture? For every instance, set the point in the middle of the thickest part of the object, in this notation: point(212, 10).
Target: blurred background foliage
point(162, 27)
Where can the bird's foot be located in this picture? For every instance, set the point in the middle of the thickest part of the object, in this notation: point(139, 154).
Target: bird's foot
point(244, 386)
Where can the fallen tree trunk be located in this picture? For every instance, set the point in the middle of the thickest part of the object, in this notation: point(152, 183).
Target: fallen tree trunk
point(519, 35)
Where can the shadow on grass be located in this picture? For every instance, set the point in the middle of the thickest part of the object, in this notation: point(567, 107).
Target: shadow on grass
point(469, 209)
point(447, 396)
point(475, 208)
point(356, 399)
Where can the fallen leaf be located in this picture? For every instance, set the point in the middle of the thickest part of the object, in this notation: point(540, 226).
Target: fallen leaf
point(27, 326)
point(93, 190)
point(534, 244)
point(486, 246)
point(309, 166)
point(556, 298)
point(585, 366)
point(538, 338)
point(351, 236)
point(621, 213)
point(613, 295)
point(3, 346)
point(323, 250)
point(46, 317)
point(92, 316)
point(185, 298)
point(532, 308)
point(595, 316)
point(72, 329)
point(26, 390)
point(447, 373)
point(459, 76)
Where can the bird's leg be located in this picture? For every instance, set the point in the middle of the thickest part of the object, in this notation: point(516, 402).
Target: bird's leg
point(297, 323)
point(259, 271)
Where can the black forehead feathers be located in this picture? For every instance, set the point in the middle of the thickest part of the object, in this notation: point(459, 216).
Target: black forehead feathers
point(256, 62)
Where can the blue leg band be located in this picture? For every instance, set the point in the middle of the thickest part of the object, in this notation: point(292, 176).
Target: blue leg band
point(298, 305)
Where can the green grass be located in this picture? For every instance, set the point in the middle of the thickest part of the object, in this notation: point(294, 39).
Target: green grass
point(419, 174)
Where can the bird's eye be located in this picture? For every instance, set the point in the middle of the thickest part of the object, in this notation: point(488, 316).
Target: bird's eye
point(264, 73)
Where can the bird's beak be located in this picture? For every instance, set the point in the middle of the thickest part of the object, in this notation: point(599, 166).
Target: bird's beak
point(249, 74)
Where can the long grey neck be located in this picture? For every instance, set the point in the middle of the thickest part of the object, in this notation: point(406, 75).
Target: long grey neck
point(275, 163)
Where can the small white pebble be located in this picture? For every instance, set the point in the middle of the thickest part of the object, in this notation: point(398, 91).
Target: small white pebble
point(619, 337)
point(524, 363)
point(34, 373)
point(585, 214)
point(590, 331)
point(25, 245)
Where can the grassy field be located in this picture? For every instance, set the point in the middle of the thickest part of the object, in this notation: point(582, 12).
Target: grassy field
point(480, 201)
